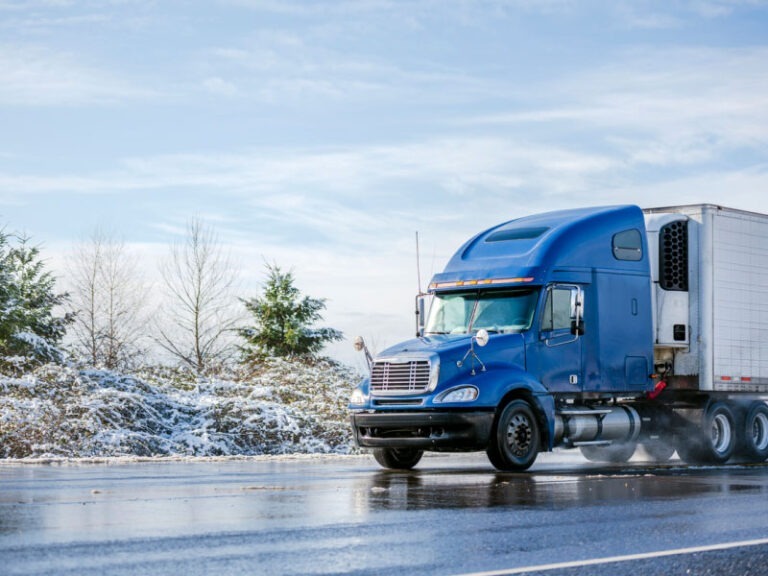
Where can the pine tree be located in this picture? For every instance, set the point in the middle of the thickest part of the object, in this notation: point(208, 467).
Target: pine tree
point(284, 321)
point(28, 325)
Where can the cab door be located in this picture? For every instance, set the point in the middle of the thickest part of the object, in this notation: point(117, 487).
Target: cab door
point(556, 357)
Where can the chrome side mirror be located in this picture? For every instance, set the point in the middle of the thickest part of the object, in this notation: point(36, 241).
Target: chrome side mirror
point(577, 311)
point(421, 319)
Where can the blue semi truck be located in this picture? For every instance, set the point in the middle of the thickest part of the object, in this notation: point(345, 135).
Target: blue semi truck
point(597, 328)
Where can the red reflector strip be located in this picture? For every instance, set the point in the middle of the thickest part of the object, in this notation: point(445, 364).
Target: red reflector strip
point(746, 379)
point(726, 378)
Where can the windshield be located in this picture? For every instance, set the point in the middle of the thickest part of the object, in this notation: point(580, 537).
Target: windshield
point(496, 311)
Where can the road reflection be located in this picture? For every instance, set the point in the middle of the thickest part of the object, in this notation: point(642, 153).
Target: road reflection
point(387, 490)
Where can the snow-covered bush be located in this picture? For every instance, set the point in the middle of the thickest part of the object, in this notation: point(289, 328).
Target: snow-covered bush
point(284, 407)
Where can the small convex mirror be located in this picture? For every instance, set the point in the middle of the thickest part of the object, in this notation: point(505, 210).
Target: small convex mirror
point(481, 337)
point(359, 343)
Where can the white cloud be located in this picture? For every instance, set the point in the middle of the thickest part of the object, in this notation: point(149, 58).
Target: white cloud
point(330, 60)
point(458, 10)
point(23, 5)
point(677, 106)
point(219, 86)
point(678, 15)
point(36, 76)
point(721, 8)
point(38, 24)
point(267, 177)
point(743, 189)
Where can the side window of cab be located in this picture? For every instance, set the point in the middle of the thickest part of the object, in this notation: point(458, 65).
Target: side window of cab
point(628, 245)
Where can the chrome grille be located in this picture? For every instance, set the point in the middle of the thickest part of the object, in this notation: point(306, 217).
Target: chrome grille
point(410, 377)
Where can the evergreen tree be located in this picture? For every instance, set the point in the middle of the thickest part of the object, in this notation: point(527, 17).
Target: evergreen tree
point(28, 325)
point(284, 321)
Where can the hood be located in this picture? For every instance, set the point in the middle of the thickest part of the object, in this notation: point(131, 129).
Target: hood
point(439, 344)
point(502, 351)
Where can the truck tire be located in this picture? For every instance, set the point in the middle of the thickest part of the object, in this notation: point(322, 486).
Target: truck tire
point(714, 442)
point(397, 458)
point(753, 437)
point(516, 438)
point(615, 453)
point(658, 450)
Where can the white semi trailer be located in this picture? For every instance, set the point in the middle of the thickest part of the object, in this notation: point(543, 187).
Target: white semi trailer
point(709, 268)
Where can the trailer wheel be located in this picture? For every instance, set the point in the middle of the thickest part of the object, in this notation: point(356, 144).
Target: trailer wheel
point(753, 439)
point(715, 441)
point(614, 453)
point(397, 458)
point(515, 439)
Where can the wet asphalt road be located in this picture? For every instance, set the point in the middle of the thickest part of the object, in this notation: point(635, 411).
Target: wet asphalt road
point(453, 515)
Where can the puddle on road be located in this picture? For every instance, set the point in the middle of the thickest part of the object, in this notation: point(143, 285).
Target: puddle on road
point(461, 489)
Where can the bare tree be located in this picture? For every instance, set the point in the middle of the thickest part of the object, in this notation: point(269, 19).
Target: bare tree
point(109, 298)
point(125, 299)
point(199, 317)
point(84, 264)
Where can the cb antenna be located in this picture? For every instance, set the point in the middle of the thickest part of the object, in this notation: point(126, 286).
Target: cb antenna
point(419, 294)
point(418, 262)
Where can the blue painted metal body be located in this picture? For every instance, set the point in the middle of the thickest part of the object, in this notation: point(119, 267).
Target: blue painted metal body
point(614, 356)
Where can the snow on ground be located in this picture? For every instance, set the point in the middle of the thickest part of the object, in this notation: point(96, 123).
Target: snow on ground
point(282, 408)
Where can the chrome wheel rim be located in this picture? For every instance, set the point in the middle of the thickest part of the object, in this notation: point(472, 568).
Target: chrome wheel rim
point(760, 431)
point(721, 433)
point(519, 435)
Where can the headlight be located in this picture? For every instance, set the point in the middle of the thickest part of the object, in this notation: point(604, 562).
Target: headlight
point(434, 372)
point(357, 398)
point(460, 394)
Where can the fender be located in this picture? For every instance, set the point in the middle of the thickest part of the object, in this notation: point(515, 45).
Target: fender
point(501, 382)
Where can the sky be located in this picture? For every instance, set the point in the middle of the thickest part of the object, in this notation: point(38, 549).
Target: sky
point(321, 135)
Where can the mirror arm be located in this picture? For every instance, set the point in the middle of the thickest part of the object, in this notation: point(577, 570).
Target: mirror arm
point(482, 341)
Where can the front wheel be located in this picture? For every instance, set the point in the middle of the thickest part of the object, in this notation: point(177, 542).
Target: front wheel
point(516, 438)
point(397, 458)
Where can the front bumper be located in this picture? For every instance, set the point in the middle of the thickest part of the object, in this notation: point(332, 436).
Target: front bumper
point(438, 431)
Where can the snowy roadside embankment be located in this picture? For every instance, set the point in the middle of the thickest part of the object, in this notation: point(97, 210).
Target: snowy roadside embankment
point(284, 407)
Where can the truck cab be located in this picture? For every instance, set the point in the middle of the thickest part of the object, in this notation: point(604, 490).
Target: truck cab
point(542, 332)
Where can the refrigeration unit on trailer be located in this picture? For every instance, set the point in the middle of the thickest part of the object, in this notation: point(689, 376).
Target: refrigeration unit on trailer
point(597, 328)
